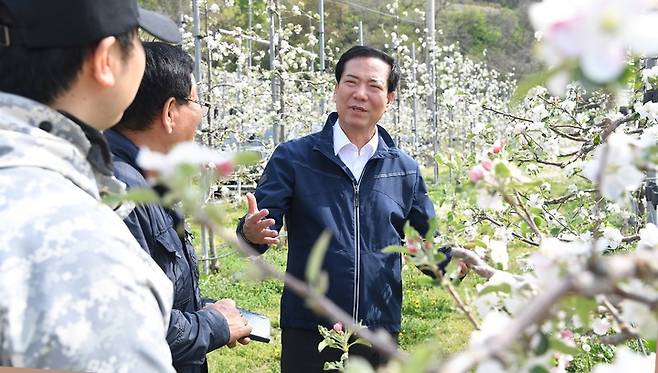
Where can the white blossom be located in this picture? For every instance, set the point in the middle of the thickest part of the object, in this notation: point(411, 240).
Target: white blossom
point(620, 174)
point(628, 361)
point(601, 326)
point(183, 153)
point(490, 200)
point(596, 33)
point(648, 237)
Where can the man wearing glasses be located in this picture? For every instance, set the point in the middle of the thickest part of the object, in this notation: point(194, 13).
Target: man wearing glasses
point(165, 112)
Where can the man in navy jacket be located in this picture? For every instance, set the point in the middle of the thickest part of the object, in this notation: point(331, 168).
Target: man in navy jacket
point(165, 112)
point(352, 180)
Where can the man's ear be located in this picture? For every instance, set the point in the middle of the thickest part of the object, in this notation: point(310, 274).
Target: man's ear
point(390, 99)
point(102, 62)
point(168, 115)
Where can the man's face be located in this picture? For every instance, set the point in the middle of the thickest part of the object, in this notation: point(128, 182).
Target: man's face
point(189, 116)
point(361, 94)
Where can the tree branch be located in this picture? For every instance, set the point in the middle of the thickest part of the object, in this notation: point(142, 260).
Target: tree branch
point(318, 302)
point(507, 114)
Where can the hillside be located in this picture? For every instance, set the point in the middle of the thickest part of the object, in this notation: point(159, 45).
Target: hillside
point(499, 27)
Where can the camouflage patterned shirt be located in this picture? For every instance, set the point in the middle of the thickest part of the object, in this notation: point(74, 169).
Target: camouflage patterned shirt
point(76, 290)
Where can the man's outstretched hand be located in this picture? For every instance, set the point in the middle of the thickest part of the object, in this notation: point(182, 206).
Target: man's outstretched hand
point(256, 228)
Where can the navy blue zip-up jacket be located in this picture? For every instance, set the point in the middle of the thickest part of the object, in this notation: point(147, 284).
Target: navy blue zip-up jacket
point(193, 331)
point(305, 182)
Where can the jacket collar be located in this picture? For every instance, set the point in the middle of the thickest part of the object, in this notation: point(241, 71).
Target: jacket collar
point(325, 142)
point(123, 148)
point(99, 152)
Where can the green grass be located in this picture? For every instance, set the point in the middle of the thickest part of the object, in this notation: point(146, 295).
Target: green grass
point(429, 318)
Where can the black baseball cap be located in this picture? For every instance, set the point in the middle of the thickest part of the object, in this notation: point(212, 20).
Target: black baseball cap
point(71, 23)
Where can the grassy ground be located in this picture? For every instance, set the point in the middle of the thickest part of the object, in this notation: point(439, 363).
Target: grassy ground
point(429, 318)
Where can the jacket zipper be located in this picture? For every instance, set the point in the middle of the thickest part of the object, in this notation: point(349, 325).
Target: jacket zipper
point(357, 252)
point(357, 246)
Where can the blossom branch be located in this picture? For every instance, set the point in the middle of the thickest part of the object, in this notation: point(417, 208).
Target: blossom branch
point(318, 302)
point(610, 126)
point(626, 332)
point(444, 282)
point(511, 116)
point(477, 264)
point(600, 277)
point(566, 135)
point(514, 234)
point(553, 104)
point(565, 198)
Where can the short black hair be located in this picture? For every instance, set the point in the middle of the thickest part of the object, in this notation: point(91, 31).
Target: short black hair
point(43, 74)
point(168, 74)
point(361, 51)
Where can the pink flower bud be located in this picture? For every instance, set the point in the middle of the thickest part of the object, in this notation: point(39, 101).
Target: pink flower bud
point(497, 148)
point(566, 334)
point(411, 247)
point(224, 168)
point(476, 174)
point(338, 327)
point(487, 164)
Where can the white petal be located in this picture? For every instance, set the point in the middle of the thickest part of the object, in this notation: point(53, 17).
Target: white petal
point(603, 62)
point(601, 326)
point(640, 37)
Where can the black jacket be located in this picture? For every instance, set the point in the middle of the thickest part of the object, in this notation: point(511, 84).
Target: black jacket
point(305, 182)
point(193, 331)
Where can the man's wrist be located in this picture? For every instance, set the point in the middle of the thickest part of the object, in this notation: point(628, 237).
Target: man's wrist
point(243, 237)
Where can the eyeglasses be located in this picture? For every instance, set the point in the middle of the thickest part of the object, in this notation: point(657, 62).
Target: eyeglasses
point(205, 107)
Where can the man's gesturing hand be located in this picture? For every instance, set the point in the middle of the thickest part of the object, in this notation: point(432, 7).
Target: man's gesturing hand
point(237, 325)
point(256, 228)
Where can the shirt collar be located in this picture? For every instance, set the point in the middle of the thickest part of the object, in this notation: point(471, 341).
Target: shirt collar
point(341, 140)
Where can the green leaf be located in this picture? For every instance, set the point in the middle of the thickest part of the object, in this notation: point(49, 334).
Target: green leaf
point(246, 158)
point(529, 83)
point(536, 211)
point(322, 345)
point(475, 243)
point(316, 257)
point(361, 341)
point(597, 139)
point(439, 257)
point(583, 308)
point(538, 369)
point(502, 170)
point(650, 344)
point(112, 199)
point(433, 225)
point(324, 332)
point(394, 249)
point(321, 283)
point(560, 346)
point(439, 159)
point(539, 221)
point(525, 228)
point(419, 360)
point(358, 365)
point(503, 288)
point(543, 345)
point(410, 232)
point(141, 195)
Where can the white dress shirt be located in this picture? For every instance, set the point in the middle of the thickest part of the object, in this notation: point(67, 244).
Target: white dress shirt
point(353, 158)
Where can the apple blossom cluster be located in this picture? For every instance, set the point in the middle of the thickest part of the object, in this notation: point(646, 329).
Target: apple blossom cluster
point(592, 36)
